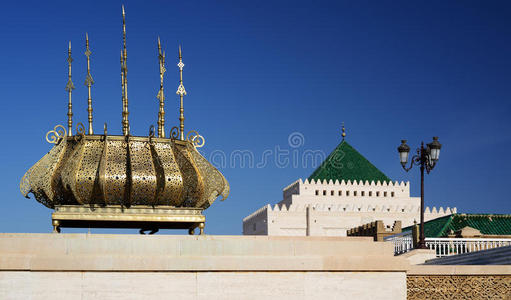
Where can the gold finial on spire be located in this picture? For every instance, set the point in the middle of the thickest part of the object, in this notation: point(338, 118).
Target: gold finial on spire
point(343, 131)
point(124, 67)
point(89, 82)
point(181, 92)
point(161, 96)
point(69, 88)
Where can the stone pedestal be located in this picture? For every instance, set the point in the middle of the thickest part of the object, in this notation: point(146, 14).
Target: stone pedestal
point(94, 266)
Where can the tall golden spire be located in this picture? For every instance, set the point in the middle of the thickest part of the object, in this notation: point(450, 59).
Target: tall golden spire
point(181, 92)
point(161, 96)
point(124, 66)
point(89, 82)
point(122, 91)
point(343, 131)
point(69, 88)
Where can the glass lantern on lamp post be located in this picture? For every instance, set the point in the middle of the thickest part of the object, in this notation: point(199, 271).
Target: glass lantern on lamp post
point(426, 158)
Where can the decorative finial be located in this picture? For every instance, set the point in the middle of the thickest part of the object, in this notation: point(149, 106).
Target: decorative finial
point(69, 88)
point(161, 96)
point(343, 131)
point(181, 92)
point(124, 75)
point(89, 82)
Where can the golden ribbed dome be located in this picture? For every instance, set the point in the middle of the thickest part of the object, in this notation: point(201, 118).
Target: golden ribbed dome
point(123, 170)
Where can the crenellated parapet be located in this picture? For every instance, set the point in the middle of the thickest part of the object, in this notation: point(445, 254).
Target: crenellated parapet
point(321, 207)
point(329, 190)
point(269, 215)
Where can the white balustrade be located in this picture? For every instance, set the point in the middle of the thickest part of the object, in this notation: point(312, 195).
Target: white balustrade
point(453, 246)
point(403, 242)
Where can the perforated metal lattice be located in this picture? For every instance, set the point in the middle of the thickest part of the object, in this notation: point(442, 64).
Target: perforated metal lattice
point(127, 171)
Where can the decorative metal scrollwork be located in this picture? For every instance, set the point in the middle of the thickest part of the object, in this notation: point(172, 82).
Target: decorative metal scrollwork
point(55, 135)
point(151, 131)
point(174, 133)
point(151, 134)
point(195, 138)
point(80, 131)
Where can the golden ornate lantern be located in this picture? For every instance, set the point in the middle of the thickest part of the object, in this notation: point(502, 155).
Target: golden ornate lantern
point(147, 182)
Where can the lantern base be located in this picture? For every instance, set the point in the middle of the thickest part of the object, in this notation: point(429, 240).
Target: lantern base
point(146, 218)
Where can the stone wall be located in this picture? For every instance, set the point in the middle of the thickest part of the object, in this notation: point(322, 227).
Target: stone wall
point(84, 266)
point(378, 230)
point(201, 285)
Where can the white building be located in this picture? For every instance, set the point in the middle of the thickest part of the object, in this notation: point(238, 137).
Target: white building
point(346, 191)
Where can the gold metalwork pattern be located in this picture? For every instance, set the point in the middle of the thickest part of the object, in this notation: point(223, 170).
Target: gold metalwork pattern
point(38, 180)
point(70, 169)
point(116, 173)
point(143, 174)
point(192, 179)
point(123, 170)
point(87, 191)
point(216, 184)
point(458, 287)
point(166, 165)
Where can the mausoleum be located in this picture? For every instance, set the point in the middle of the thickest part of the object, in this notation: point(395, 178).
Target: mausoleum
point(344, 192)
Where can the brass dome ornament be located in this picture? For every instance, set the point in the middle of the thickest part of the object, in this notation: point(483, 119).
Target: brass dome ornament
point(124, 181)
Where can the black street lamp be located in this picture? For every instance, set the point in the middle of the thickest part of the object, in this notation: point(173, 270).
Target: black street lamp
point(426, 158)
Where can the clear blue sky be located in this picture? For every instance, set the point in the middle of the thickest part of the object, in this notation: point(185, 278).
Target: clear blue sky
point(257, 71)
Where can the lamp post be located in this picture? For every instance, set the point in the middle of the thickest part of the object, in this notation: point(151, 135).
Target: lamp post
point(426, 158)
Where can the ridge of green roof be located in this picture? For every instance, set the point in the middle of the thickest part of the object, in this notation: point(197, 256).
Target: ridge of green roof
point(488, 224)
point(346, 163)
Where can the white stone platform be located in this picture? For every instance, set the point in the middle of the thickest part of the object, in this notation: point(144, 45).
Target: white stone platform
point(95, 266)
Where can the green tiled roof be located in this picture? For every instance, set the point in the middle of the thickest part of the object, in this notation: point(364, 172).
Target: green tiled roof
point(346, 163)
point(489, 224)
